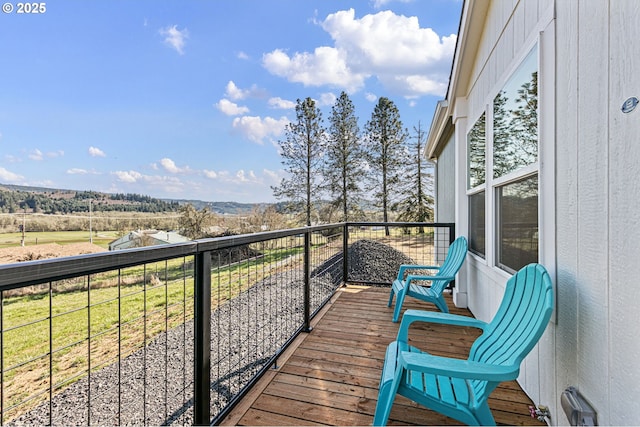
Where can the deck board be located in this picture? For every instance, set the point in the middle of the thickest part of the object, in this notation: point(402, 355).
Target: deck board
point(331, 377)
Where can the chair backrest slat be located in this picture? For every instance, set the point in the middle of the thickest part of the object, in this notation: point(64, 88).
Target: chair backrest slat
point(455, 257)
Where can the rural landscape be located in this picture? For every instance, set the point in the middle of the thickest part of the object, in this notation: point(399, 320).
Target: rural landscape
point(121, 313)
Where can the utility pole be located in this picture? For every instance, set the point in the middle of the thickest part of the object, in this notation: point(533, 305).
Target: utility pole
point(24, 225)
point(90, 231)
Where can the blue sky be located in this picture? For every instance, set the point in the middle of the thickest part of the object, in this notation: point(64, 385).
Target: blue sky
point(188, 99)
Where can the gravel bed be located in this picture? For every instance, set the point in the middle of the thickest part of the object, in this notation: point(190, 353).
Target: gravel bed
point(156, 382)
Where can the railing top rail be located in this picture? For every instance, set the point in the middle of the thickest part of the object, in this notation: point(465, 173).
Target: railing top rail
point(401, 224)
point(40, 271)
point(216, 243)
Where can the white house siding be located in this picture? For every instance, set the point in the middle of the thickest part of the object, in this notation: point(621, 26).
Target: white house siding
point(624, 214)
point(589, 191)
point(598, 205)
point(445, 190)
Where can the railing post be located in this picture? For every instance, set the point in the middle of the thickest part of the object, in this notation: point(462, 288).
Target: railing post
point(202, 339)
point(307, 281)
point(345, 253)
point(452, 237)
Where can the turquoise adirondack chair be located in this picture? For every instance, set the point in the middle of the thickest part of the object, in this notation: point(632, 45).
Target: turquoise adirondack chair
point(444, 274)
point(460, 388)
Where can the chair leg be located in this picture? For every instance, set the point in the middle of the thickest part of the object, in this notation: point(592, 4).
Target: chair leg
point(399, 302)
point(441, 304)
point(484, 415)
point(389, 382)
point(391, 295)
point(383, 407)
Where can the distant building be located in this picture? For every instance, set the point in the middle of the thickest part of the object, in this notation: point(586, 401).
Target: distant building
point(140, 238)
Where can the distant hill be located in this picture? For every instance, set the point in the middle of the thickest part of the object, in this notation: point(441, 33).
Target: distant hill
point(223, 208)
point(13, 198)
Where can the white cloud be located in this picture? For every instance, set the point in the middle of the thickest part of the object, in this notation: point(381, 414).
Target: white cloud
point(54, 154)
point(273, 176)
point(171, 167)
point(257, 129)
point(230, 108)
point(128, 176)
point(242, 55)
point(242, 176)
point(327, 99)
point(282, 104)
point(175, 38)
point(36, 155)
point(169, 184)
point(77, 171)
point(8, 176)
point(325, 66)
point(210, 174)
point(96, 152)
point(235, 93)
point(404, 57)
point(408, 60)
point(370, 97)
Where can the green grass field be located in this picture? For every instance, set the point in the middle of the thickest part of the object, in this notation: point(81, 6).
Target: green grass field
point(61, 237)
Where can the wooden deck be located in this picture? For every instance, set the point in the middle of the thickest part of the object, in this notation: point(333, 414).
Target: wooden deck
point(330, 376)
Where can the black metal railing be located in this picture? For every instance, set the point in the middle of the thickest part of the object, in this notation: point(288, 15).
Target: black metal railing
point(178, 334)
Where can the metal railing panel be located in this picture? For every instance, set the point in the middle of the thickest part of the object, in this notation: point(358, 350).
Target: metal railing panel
point(174, 334)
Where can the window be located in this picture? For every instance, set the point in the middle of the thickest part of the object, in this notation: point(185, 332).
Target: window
point(515, 159)
point(476, 178)
point(502, 172)
point(477, 226)
point(517, 223)
point(515, 120)
point(476, 142)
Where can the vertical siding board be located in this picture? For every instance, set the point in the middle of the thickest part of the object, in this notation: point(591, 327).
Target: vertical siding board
point(547, 105)
point(531, 16)
point(518, 26)
point(592, 207)
point(624, 213)
point(567, 53)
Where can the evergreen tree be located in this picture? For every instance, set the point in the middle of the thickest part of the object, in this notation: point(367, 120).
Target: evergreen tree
point(345, 158)
point(524, 123)
point(302, 153)
point(416, 203)
point(502, 150)
point(387, 153)
point(477, 148)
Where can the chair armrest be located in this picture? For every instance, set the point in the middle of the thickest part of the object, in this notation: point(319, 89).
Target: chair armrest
point(411, 278)
point(411, 316)
point(405, 267)
point(465, 369)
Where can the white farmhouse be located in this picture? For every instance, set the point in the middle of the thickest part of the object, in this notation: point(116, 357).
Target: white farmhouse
point(537, 152)
point(141, 238)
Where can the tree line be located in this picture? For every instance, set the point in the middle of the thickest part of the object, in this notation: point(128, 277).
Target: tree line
point(340, 168)
point(81, 201)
